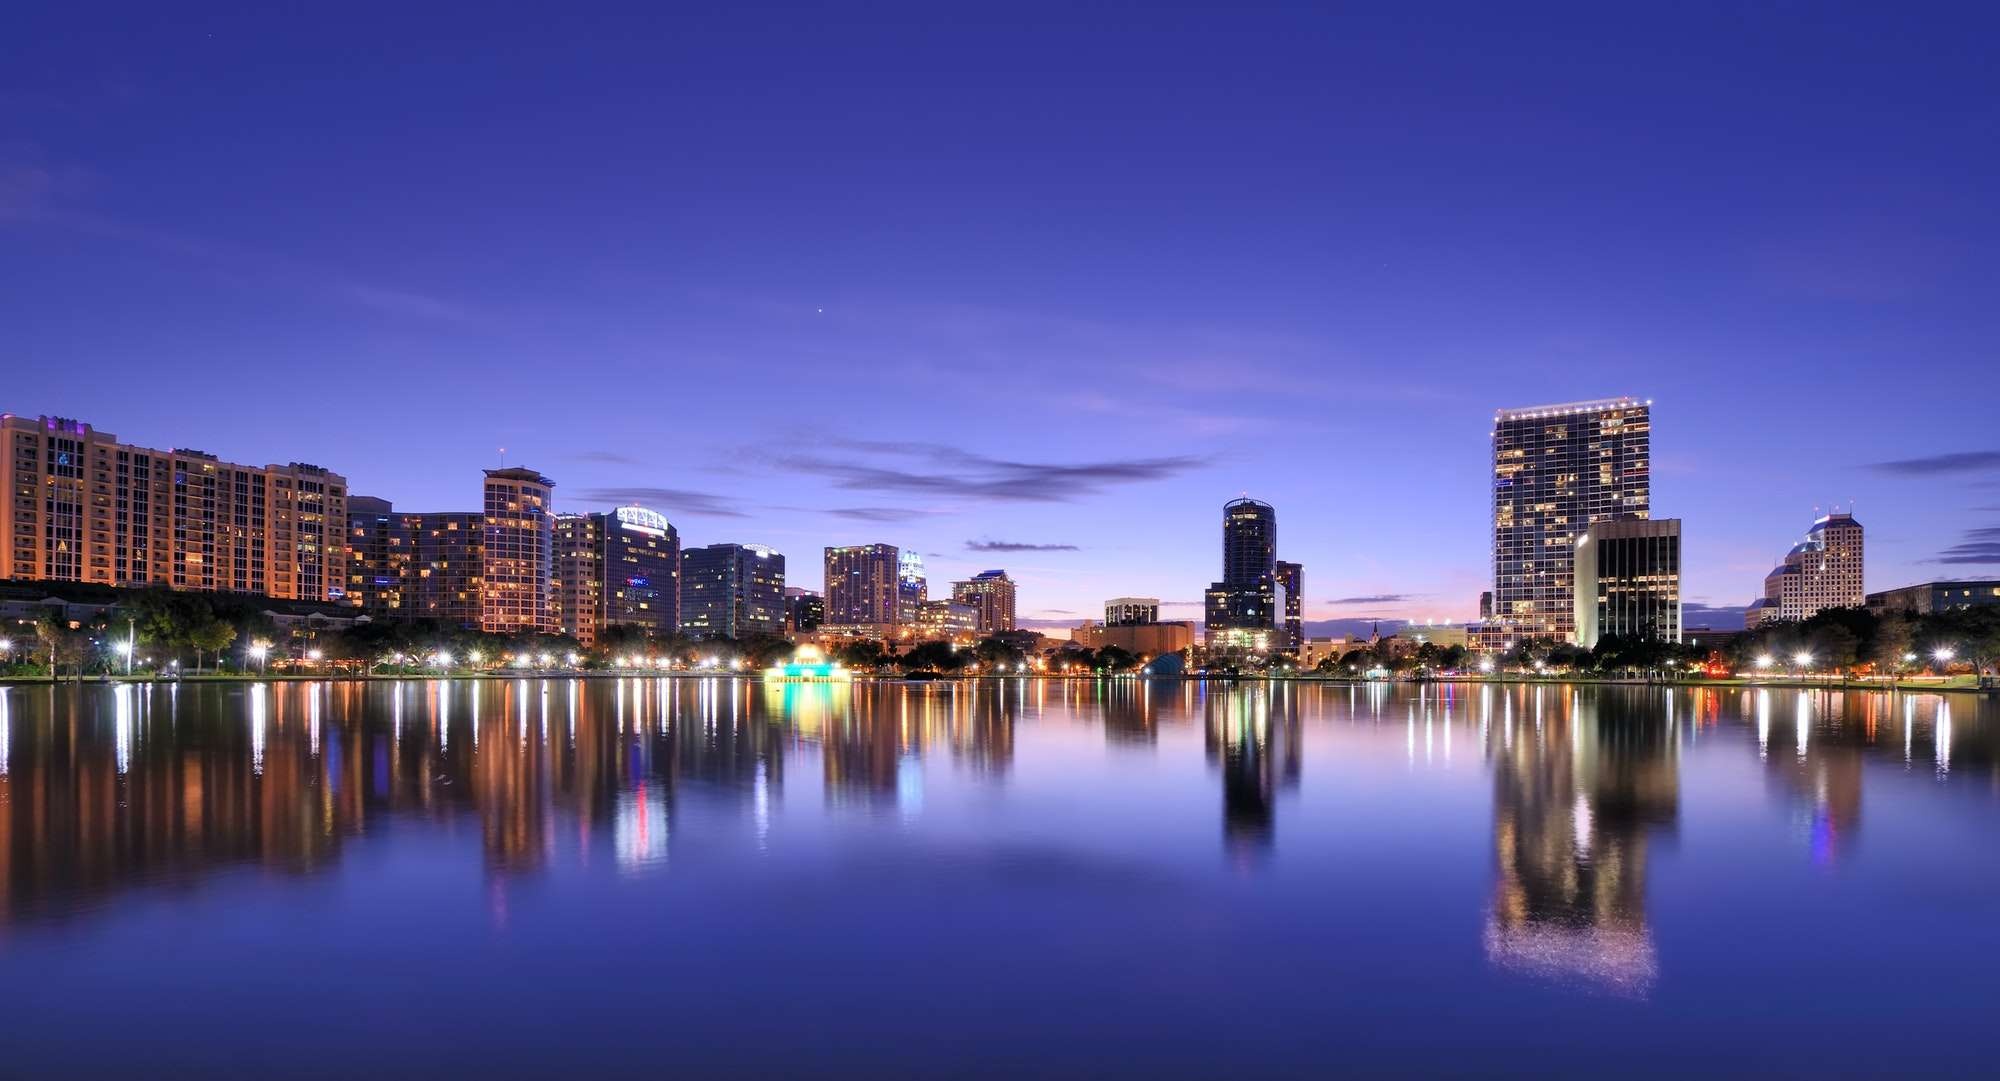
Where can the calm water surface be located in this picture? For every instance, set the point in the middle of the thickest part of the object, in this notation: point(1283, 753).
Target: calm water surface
point(723, 878)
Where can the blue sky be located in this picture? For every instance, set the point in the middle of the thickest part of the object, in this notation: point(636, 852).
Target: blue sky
point(1056, 279)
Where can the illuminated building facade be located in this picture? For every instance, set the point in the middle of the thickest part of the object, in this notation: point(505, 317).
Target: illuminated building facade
point(83, 507)
point(1138, 639)
point(444, 577)
point(1131, 611)
point(912, 588)
point(992, 594)
point(1249, 596)
point(805, 610)
point(1931, 598)
point(1822, 571)
point(617, 569)
point(1556, 470)
point(378, 556)
point(862, 584)
point(732, 591)
point(1628, 580)
point(519, 539)
point(1291, 578)
point(944, 620)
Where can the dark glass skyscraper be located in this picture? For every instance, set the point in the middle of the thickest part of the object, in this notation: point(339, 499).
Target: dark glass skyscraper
point(617, 569)
point(732, 591)
point(1291, 577)
point(1247, 596)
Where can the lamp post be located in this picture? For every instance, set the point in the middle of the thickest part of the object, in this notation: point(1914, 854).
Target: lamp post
point(124, 648)
point(258, 652)
point(1764, 663)
point(1943, 655)
point(1802, 661)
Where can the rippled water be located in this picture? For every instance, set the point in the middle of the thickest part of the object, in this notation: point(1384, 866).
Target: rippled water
point(717, 877)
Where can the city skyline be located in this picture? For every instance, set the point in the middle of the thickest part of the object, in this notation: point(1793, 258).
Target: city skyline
point(1203, 304)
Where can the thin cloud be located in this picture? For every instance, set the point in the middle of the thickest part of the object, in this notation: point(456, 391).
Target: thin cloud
point(879, 514)
point(937, 470)
point(1936, 465)
point(679, 500)
point(605, 456)
point(1015, 546)
point(1376, 598)
point(1978, 546)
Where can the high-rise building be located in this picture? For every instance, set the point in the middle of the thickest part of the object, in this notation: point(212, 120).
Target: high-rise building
point(1291, 578)
point(83, 507)
point(1628, 580)
point(1822, 571)
point(732, 591)
point(805, 610)
point(378, 557)
point(444, 579)
point(519, 539)
point(992, 593)
point(1931, 598)
point(1556, 470)
point(861, 584)
point(1247, 598)
point(617, 569)
point(912, 588)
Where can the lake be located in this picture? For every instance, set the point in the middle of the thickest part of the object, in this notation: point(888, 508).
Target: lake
point(720, 877)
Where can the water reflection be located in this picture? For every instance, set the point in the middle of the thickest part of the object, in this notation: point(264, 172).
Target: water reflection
point(103, 789)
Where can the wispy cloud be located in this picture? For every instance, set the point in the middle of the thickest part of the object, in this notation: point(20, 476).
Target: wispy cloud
point(1978, 546)
point(674, 500)
point(1970, 461)
point(1015, 546)
point(880, 514)
point(1376, 598)
point(605, 457)
point(937, 470)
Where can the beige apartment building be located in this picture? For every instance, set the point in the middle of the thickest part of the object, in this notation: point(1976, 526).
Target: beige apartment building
point(83, 507)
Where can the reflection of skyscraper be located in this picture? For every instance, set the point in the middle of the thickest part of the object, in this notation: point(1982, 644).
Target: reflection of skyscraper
point(1253, 734)
point(1575, 798)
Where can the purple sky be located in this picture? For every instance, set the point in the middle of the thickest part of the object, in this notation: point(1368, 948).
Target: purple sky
point(1021, 277)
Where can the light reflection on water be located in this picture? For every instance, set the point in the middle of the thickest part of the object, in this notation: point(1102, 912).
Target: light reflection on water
point(1127, 851)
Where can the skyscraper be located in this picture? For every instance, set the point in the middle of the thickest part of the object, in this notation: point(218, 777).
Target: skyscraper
point(617, 569)
point(1247, 596)
point(1628, 580)
point(1822, 571)
point(1556, 470)
point(518, 535)
point(83, 507)
point(1291, 578)
point(861, 584)
point(992, 593)
point(446, 572)
point(732, 591)
point(912, 587)
point(805, 610)
point(378, 556)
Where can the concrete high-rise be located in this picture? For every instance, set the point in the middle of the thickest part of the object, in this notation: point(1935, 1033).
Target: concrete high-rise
point(992, 594)
point(862, 584)
point(1822, 571)
point(1628, 580)
point(1248, 596)
point(83, 507)
point(444, 579)
point(617, 569)
point(518, 535)
point(1556, 470)
point(732, 591)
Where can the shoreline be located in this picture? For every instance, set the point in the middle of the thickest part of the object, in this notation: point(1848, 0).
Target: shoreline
point(1936, 685)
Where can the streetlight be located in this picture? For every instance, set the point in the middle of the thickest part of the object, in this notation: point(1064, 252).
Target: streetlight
point(314, 655)
point(572, 659)
point(1944, 654)
point(259, 651)
point(1485, 665)
point(475, 656)
point(441, 658)
point(124, 648)
point(545, 659)
point(1764, 662)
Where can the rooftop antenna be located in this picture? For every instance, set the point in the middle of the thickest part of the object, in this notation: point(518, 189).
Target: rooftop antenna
point(503, 457)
